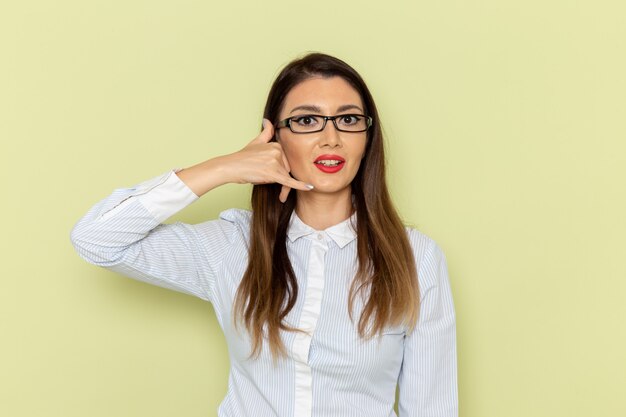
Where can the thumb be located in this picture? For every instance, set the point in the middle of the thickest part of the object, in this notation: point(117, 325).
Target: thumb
point(268, 132)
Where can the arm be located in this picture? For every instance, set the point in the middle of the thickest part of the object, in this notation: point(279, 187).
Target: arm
point(124, 233)
point(428, 377)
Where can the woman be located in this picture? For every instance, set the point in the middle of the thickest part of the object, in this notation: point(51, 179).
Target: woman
point(326, 299)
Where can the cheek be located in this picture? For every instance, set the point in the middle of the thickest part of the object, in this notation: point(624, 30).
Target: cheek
point(357, 167)
point(358, 161)
point(361, 154)
point(294, 157)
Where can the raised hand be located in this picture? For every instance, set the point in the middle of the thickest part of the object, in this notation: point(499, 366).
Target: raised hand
point(263, 162)
point(259, 162)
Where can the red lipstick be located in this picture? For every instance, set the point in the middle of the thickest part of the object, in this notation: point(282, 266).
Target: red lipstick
point(329, 163)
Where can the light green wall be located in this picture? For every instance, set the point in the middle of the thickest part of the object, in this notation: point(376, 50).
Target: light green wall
point(506, 143)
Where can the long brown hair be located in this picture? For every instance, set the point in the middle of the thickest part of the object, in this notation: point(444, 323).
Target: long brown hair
point(386, 266)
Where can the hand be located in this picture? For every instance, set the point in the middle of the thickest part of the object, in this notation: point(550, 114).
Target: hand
point(264, 162)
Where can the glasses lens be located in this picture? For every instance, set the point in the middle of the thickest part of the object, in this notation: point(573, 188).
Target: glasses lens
point(306, 123)
point(352, 122)
point(309, 123)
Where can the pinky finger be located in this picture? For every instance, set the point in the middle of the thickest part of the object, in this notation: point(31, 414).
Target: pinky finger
point(284, 193)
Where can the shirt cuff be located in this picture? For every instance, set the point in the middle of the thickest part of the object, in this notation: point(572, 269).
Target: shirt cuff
point(165, 195)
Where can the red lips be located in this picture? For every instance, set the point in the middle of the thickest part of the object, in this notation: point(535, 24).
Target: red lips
point(330, 169)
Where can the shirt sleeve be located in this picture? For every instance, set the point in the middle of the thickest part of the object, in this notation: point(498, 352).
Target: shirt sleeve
point(124, 233)
point(428, 376)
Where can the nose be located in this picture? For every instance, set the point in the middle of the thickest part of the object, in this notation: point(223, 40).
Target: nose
point(330, 135)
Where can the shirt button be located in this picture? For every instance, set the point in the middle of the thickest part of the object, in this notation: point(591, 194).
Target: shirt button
point(319, 236)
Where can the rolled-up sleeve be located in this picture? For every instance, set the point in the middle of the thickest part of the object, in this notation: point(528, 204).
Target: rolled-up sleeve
point(125, 234)
point(428, 376)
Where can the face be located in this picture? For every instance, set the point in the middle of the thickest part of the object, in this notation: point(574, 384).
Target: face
point(328, 97)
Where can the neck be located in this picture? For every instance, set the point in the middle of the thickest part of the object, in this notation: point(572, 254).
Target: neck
point(322, 210)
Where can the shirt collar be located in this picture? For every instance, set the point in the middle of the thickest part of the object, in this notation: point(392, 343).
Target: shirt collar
point(342, 233)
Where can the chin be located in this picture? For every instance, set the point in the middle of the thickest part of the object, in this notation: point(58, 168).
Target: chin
point(325, 187)
point(326, 183)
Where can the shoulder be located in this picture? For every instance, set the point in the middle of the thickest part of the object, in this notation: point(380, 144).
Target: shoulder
point(231, 227)
point(420, 241)
point(428, 255)
point(237, 216)
point(238, 220)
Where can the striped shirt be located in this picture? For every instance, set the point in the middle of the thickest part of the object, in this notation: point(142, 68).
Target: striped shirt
point(330, 371)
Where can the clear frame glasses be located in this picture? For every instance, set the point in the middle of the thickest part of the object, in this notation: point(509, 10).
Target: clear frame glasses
point(311, 123)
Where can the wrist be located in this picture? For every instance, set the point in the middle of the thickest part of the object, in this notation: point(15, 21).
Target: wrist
point(205, 176)
point(223, 169)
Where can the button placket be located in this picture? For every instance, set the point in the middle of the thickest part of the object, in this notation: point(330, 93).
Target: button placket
point(308, 322)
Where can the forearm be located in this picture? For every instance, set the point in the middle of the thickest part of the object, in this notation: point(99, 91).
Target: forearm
point(205, 176)
point(127, 216)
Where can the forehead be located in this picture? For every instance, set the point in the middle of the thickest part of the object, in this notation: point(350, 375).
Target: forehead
point(325, 93)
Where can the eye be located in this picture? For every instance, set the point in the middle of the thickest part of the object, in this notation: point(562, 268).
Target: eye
point(306, 120)
point(350, 119)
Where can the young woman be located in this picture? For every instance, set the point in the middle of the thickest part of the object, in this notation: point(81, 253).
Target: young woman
point(327, 301)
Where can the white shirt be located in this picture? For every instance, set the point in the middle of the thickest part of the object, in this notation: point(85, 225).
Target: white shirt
point(330, 372)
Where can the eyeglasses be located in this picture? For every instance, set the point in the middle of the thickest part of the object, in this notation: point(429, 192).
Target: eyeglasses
point(311, 123)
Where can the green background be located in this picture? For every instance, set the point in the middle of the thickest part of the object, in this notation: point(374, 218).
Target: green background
point(506, 132)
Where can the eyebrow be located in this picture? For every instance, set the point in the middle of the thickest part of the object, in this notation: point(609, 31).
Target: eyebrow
point(310, 107)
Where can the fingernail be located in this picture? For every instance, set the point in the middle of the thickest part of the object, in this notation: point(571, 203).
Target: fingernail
point(309, 186)
point(265, 121)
